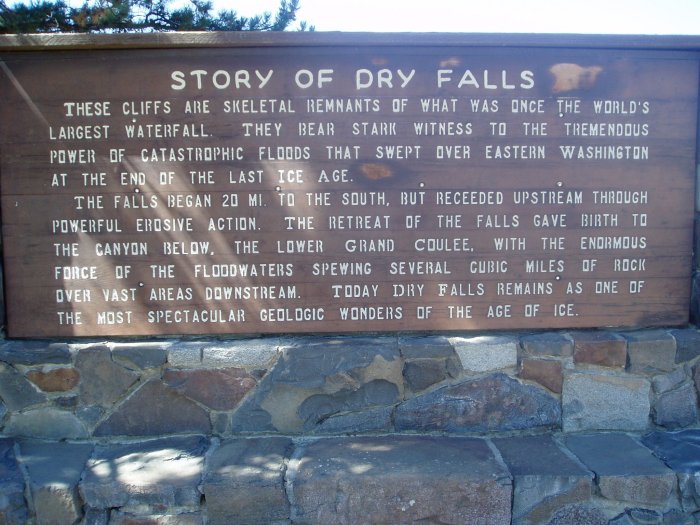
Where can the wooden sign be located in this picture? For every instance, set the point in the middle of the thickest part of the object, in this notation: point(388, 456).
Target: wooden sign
point(345, 187)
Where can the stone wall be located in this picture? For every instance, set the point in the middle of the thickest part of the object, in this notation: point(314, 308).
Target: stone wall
point(526, 428)
point(458, 384)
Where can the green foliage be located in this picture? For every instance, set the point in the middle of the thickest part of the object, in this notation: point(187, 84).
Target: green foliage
point(94, 16)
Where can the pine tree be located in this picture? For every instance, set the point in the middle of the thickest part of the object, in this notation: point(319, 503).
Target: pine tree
point(133, 16)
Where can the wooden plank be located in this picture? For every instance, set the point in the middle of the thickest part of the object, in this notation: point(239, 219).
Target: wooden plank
point(338, 188)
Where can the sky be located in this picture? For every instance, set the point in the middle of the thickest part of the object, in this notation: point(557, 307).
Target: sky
point(670, 17)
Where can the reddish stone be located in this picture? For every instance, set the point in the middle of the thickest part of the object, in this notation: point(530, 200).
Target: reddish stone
point(219, 389)
point(546, 372)
point(154, 410)
point(58, 380)
point(600, 348)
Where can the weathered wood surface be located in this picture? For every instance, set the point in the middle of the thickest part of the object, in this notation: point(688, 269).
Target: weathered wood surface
point(497, 215)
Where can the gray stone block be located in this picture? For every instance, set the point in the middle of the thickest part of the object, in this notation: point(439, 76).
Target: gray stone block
point(544, 478)
point(46, 423)
point(141, 356)
point(103, 381)
point(679, 450)
point(338, 368)
point(369, 420)
point(54, 470)
point(244, 481)
point(186, 354)
point(579, 514)
point(486, 353)
point(35, 353)
point(420, 374)
point(492, 403)
point(650, 350)
point(308, 362)
point(13, 507)
point(317, 408)
point(16, 391)
point(417, 347)
point(687, 344)
point(605, 402)
point(189, 518)
point(253, 353)
point(548, 344)
point(400, 479)
point(665, 382)
point(677, 408)
point(154, 474)
point(155, 409)
point(625, 470)
point(95, 516)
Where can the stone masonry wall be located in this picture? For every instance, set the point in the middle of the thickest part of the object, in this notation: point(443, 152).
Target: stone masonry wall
point(554, 428)
point(458, 384)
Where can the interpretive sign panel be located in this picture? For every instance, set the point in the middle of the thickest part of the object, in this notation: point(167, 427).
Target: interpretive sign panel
point(345, 188)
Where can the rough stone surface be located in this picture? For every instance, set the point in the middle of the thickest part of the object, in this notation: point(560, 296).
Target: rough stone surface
point(605, 402)
point(642, 517)
point(35, 353)
point(56, 380)
point(400, 479)
point(46, 423)
point(346, 372)
point(600, 348)
point(368, 420)
point(96, 516)
point(676, 408)
point(103, 381)
point(189, 518)
point(650, 350)
point(420, 374)
point(318, 408)
point(156, 474)
point(244, 483)
point(16, 391)
point(665, 382)
point(54, 470)
point(625, 470)
point(217, 389)
point(687, 344)
point(547, 372)
point(253, 353)
point(544, 478)
point(416, 347)
point(548, 344)
point(155, 409)
point(579, 514)
point(140, 356)
point(679, 450)
point(486, 353)
point(310, 362)
point(13, 508)
point(492, 403)
point(186, 354)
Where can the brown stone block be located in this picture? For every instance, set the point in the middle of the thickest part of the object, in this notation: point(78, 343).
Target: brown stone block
point(546, 372)
point(600, 348)
point(58, 380)
point(216, 389)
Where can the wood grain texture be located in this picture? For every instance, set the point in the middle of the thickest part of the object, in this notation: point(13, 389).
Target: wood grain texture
point(342, 183)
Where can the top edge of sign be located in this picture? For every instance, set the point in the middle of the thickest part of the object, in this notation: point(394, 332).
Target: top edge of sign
point(63, 41)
